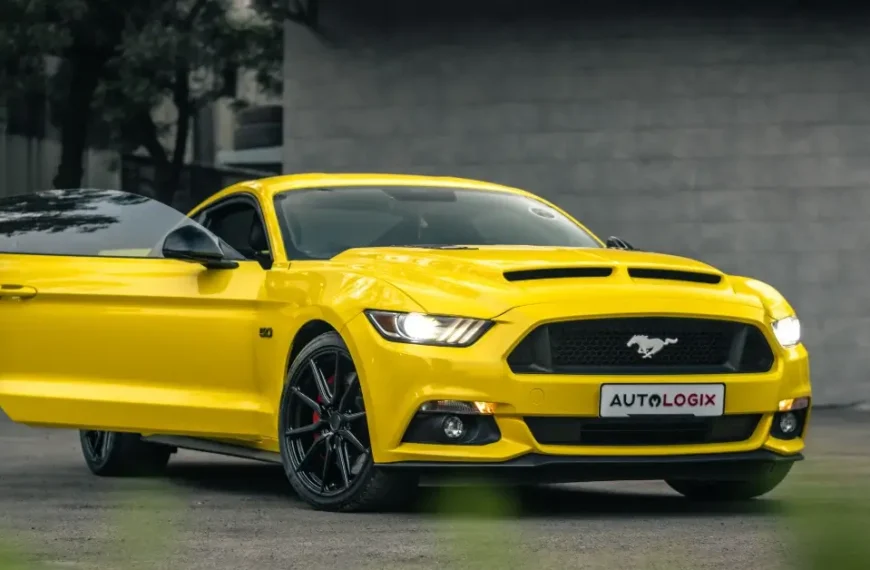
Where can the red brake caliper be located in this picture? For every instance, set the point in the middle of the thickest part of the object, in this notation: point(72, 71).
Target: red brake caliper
point(315, 417)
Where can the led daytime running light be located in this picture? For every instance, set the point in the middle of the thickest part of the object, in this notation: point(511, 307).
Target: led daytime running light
point(420, 328)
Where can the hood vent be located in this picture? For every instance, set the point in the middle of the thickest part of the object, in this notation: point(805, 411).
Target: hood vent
point(674, 275)
point(557, 273)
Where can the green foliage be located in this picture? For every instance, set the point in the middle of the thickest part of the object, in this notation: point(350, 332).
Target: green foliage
point(478, 526)
point(830, 525)
point(158, 46)
point(111, 64)
point(11, 559)
point(142, 536)
point(188, 53)
point(33, 30)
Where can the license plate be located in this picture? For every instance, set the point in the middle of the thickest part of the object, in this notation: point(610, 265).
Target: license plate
point(624, 400)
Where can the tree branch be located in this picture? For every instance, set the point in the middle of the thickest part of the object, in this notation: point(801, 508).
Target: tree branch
point(194, 13)
point(181, 99)
point(145, 130)
point(304, 12)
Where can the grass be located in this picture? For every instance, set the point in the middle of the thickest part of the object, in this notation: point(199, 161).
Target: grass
point(831, 526)
point(139, 537)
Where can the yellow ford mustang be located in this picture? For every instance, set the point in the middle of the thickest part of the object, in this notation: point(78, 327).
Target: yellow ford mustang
point(367, 330)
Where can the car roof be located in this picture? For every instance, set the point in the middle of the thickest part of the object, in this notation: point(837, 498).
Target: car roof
point(266, 188)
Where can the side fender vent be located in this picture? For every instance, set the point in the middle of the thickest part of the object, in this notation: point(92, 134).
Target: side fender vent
point(557, 273)
point(674, 275)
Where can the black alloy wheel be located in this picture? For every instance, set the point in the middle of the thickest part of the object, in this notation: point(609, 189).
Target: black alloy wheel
point(115, 454)
point(324, 436)
point(326, 409)
point(96, 445)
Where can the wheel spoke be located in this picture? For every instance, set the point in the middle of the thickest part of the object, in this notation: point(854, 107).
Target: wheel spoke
point(308, 401)
point(348, 436)
point(309, 454)
point(355, 416)
point(351, 384)
point(336, 376)
point(320, 381)
point(343, 462)
point(106, 442)
point(296, 432)
point(94, 441)
point(325, 466)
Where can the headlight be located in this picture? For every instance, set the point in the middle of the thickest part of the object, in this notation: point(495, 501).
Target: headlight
point(787, 331)
point(419, 328)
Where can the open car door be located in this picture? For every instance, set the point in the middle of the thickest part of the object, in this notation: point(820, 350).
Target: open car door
point(98, 330)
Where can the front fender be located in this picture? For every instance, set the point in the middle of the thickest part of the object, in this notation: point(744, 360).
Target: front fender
point(775, 304)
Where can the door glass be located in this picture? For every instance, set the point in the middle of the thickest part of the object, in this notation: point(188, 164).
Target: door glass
point(240, 226)
point(88, 223)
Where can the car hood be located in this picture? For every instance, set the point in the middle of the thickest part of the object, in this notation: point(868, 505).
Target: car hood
point(479, 282)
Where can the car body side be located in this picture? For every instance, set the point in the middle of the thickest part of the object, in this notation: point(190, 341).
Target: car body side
point(296, 300)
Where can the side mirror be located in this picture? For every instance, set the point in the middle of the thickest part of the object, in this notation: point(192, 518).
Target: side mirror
point(614, 242)
point(191, 243)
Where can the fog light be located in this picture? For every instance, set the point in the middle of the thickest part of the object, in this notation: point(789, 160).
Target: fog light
point(453, 427)
point(788, 423)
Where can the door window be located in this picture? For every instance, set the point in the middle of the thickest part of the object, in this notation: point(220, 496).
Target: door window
point(87, 223)
point(239, 224)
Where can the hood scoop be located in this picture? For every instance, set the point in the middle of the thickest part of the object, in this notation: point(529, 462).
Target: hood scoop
point(557, 273)
point(674, 275)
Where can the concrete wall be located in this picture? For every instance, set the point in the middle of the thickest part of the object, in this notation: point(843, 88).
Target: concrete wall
point(740, 138)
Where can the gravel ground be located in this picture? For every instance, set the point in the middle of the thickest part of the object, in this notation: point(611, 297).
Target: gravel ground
point(214, 513)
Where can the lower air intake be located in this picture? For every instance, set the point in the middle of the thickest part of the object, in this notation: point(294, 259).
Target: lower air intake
point(642, 431)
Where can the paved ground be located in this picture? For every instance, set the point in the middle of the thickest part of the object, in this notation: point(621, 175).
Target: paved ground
point(211, 513)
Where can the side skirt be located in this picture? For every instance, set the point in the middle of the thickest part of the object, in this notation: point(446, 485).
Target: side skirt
point(216, 447)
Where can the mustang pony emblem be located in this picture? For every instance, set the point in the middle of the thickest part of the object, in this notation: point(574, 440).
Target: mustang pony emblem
point(647, 346)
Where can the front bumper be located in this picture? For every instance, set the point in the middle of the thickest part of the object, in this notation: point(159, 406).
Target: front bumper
point(398, 378)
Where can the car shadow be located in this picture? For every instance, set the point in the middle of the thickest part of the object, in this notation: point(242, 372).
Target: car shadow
point(261, 480)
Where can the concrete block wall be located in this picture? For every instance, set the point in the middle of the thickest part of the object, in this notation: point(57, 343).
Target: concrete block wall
point(738, 137)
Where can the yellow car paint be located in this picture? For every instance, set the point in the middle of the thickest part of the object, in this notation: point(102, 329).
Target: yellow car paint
point(159, 346)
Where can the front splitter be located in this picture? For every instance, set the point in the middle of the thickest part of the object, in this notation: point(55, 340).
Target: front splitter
point(576, 469)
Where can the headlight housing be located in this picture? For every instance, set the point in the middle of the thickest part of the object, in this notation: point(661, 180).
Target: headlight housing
point(433, 330)
point(787, 331)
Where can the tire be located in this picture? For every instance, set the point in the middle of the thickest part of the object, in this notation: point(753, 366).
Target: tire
point(323, 435)
point(115, 454)
point(740, 490)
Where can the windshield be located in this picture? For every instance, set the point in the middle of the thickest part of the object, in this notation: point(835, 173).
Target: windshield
point(88, 223)
point(321, 223)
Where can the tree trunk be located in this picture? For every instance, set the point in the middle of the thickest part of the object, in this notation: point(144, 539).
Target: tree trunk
point(143, 130)
point(176, 166)
point(185, 109)
point(85, 77)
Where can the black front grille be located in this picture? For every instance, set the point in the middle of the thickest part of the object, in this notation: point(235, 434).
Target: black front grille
point(549, 430)
point(643, 345)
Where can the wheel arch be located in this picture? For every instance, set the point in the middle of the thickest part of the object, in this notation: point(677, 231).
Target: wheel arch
point(306, 333)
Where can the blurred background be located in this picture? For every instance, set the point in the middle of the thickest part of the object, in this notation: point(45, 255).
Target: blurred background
point(734, 132)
